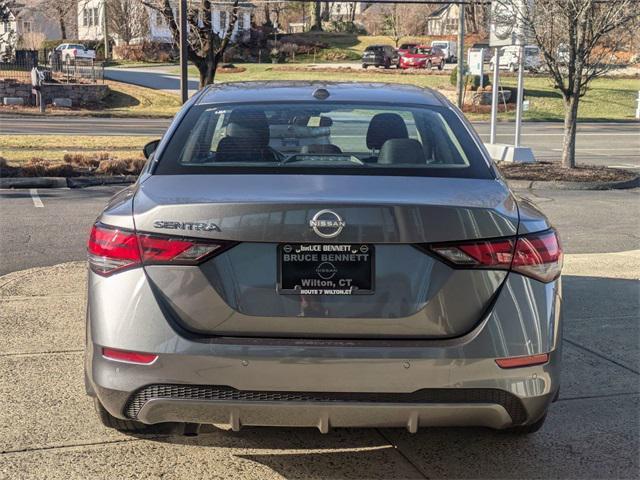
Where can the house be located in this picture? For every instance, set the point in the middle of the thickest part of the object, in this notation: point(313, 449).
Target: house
point(26, 26)
point(346, 11)
point(91, 23)
point(444, 20)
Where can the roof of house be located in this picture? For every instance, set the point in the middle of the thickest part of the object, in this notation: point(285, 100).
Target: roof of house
point(440, 11)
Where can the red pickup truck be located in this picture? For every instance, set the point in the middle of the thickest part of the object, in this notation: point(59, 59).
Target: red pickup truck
point(423, 56)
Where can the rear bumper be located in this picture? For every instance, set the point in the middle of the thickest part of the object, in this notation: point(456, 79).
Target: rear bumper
point(358, 383)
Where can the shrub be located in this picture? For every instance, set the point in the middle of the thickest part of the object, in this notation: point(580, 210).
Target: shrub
point(337, 54)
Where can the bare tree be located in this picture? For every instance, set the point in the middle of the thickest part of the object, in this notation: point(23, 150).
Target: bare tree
point(205, 47)
point(578, 40)
point(317, 16)
point(127, 19)
point(392, 22)
point(31, 40)
point(8, 36)
point(63, 11)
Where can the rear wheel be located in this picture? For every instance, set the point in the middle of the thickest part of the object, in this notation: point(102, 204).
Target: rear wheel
point(441, 65)
point(429, 65)
point(387, 64)
point(364, 65)
point(527, 429)
point(125, 426)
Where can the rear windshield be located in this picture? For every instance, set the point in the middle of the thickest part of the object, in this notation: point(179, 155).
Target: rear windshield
point(406, 46)
point(329, 138)
point(421, 51)
point(375, 48)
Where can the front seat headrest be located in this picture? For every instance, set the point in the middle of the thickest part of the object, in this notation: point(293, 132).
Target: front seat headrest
point(384, 126)
point(397, 151)
point(245, 120)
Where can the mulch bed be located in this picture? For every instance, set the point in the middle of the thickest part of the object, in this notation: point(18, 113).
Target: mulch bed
point(547, 171)
point(230, 69)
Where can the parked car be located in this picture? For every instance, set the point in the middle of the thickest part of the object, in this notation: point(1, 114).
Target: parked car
point(380, 56)
point(509, 58)
point(449, 48)
point(72, 51)
point(405, 47)
point(423, 57)
point(385, 276)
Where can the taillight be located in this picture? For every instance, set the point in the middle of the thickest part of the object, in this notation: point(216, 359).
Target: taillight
point(112, 249)
point(536, 255)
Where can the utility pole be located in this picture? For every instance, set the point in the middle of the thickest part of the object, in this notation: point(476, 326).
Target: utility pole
point(460, 77)
point(494, 94)
point(105, 30)
point(184, 78)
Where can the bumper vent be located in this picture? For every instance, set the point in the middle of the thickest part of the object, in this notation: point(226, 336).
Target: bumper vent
point(219, 393)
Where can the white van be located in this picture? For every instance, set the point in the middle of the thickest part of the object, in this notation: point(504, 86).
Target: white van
point(449, 48)
point(509, 58)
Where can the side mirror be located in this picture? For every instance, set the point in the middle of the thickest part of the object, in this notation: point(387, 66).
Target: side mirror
point(150, 147)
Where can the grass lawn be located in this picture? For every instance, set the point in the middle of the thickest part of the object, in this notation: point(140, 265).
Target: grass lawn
point(21, 148)
point(608, 98)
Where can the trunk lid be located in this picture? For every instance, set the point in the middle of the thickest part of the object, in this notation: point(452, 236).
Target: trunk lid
point(413, 294)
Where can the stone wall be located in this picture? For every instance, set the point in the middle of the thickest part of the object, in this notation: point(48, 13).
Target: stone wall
point(81, 94)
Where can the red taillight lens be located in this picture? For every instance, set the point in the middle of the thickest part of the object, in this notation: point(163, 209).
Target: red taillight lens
point(493, 254)
point(112, 249)
point(536, 255)
point(129, 357)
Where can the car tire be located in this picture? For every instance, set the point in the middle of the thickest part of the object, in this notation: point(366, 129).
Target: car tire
point(512, 68)
point(441, 65)
point(125, 426)
point(365, 66)
point(527, 429)
point(387, 64)
point(429, 66)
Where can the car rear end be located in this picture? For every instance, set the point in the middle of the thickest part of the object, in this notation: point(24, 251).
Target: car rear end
point(388, 278)
point(373, 56)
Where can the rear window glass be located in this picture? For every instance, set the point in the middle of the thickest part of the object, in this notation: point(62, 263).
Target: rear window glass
point(327, 138)
point(374, 48)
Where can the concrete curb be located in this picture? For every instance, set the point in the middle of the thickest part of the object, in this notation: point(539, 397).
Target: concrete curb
point(65, 182)
point(558, 185)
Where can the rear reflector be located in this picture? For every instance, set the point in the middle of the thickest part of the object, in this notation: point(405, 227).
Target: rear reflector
point(111, 249)
point(529, 361)
point(129, 357)
point(536, 255)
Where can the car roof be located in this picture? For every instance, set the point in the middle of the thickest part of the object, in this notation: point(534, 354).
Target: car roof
point(297, 91)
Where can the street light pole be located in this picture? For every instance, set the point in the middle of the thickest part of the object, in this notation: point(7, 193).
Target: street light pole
point(494, 94)
point(520, 94)
point(460, 76)
point(184, 79)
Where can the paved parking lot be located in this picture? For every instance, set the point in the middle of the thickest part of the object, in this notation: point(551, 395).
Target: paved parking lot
point(48, 428)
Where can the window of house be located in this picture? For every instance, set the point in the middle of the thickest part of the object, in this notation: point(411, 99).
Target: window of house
point(96, 16)
point(223, 21)
point(159, 19)
point(26, 26)
point(240, 21)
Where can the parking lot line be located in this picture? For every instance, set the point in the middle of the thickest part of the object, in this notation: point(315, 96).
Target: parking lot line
point(36, 198)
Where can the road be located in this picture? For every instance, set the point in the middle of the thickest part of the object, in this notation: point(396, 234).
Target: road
point(49, 429)
point(607, 144)
point(158, 78)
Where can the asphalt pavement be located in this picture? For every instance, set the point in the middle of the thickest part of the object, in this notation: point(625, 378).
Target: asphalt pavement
point(607, 144)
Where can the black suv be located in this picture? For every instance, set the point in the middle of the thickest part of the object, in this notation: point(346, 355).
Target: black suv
point(380, 56)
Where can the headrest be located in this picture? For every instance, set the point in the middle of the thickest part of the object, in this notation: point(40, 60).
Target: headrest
point(245, 120)
point(384, 126)
point(398, 151)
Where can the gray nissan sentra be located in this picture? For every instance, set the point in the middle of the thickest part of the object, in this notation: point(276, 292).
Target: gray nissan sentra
point(322, 254)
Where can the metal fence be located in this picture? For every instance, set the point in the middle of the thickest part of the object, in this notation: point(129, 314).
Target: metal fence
point(81, 70)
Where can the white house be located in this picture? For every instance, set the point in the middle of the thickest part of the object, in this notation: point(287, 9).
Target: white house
point(91, 23)
point(26, 27)
point(444, 20)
